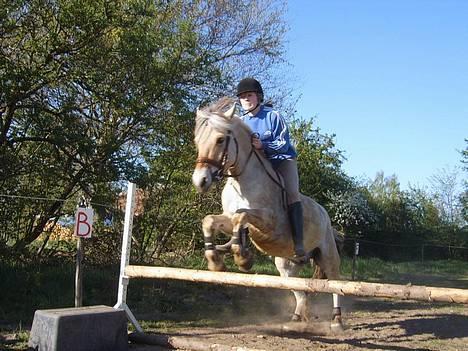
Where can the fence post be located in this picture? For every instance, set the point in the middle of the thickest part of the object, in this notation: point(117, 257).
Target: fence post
point(79, 264)
point(356, 252)
point(79, 274)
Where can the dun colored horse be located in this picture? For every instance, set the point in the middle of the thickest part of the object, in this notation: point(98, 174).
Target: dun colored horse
point(254, 204)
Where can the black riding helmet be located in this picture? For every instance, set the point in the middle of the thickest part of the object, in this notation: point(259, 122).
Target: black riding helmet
point(250, 84)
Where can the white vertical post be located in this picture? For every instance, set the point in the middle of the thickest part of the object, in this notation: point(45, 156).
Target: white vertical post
point(125, 258)
point(336, 300)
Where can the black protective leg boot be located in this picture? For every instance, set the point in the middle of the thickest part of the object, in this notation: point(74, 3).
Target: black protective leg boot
point(297, 224)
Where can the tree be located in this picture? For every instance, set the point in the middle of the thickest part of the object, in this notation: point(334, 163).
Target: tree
point(350, 210)
point(394, 222)
point(94, 92)
point(424, 213)
point(319, 161)
point(446, 192)
point(408, 219)
point(464, 194)
point(83, 84)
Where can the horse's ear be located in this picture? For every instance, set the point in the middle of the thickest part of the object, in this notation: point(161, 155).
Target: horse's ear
point(229, 113)
point(199, 113)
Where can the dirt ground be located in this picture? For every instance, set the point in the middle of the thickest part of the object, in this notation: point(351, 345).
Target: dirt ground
point(370, 324)
point(226, 318)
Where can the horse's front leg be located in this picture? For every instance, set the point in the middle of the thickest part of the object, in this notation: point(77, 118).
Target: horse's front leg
point(212, 225)
point(262, 219)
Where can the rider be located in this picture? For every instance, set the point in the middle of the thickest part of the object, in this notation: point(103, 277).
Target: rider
point(271, 134)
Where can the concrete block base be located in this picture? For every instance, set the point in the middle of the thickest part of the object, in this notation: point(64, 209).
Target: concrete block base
point(93, 328)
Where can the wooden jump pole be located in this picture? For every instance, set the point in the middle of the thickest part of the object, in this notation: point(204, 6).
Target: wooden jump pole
point(403, 292)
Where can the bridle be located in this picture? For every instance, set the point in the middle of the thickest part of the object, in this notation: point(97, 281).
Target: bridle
point(222, 172)
point(220, 164)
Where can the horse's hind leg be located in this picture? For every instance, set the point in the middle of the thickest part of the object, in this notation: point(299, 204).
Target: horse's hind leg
point(288, 268)
point(329, 263)
point(212, 225)
point(336, 323)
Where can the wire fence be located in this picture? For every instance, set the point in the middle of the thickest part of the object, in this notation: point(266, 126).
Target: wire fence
point(52, 199)
point(403, 252)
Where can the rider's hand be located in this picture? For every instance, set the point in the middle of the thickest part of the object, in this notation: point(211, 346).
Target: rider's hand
point(256, 142)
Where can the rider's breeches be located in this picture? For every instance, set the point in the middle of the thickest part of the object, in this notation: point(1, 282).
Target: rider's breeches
point(288, 170)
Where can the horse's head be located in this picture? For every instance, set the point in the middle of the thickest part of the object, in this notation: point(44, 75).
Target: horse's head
point(216, 142)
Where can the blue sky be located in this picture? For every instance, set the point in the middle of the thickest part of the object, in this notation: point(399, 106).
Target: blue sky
point(388, 77)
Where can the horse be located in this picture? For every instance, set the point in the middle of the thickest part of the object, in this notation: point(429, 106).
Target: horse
point(254, 205)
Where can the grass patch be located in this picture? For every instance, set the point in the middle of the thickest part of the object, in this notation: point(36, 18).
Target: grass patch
point(26, 288)
point(450, 273)
point(14, 339)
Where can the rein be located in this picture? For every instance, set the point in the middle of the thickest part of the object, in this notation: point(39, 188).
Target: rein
point(219, 174)
point(277, 182)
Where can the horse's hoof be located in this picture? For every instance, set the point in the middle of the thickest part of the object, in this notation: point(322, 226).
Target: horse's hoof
point(336, 325)
point(337, 328)
point(215, 261)
point(216, 267)
point(244, 262)
point(296, 318)
point(244, 269)
point(246, 265)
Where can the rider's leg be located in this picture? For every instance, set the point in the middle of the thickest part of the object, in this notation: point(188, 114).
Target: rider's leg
point(288, 170)
point(296, 220)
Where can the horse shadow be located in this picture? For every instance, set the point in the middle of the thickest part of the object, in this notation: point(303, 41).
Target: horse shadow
point(363, 304)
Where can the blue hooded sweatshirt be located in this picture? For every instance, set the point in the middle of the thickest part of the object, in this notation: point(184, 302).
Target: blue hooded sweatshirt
point(273, 132)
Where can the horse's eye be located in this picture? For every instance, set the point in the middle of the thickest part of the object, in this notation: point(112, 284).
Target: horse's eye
point(220, 140)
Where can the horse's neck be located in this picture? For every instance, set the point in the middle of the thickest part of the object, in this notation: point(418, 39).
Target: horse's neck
point(259, 183)
point(254, 177)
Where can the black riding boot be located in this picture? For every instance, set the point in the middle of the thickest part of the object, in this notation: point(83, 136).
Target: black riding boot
point(297, 223)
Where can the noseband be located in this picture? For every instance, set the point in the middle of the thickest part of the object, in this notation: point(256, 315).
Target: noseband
point(220, 165)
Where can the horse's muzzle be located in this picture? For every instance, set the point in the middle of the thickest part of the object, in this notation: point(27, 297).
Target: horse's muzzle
point(202, 179)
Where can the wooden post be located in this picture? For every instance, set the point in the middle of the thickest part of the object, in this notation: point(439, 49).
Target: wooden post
point(81, 219)
point(79, 263)
point(79, 274)
point(356, 252)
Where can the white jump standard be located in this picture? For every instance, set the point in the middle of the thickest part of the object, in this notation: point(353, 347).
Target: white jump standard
point(125, 258)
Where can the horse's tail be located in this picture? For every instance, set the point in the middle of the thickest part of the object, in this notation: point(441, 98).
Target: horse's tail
point(318, 272)
point(339, 240)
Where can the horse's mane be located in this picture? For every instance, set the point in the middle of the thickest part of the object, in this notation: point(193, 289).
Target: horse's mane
point(213, 115)
point(221, 105)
